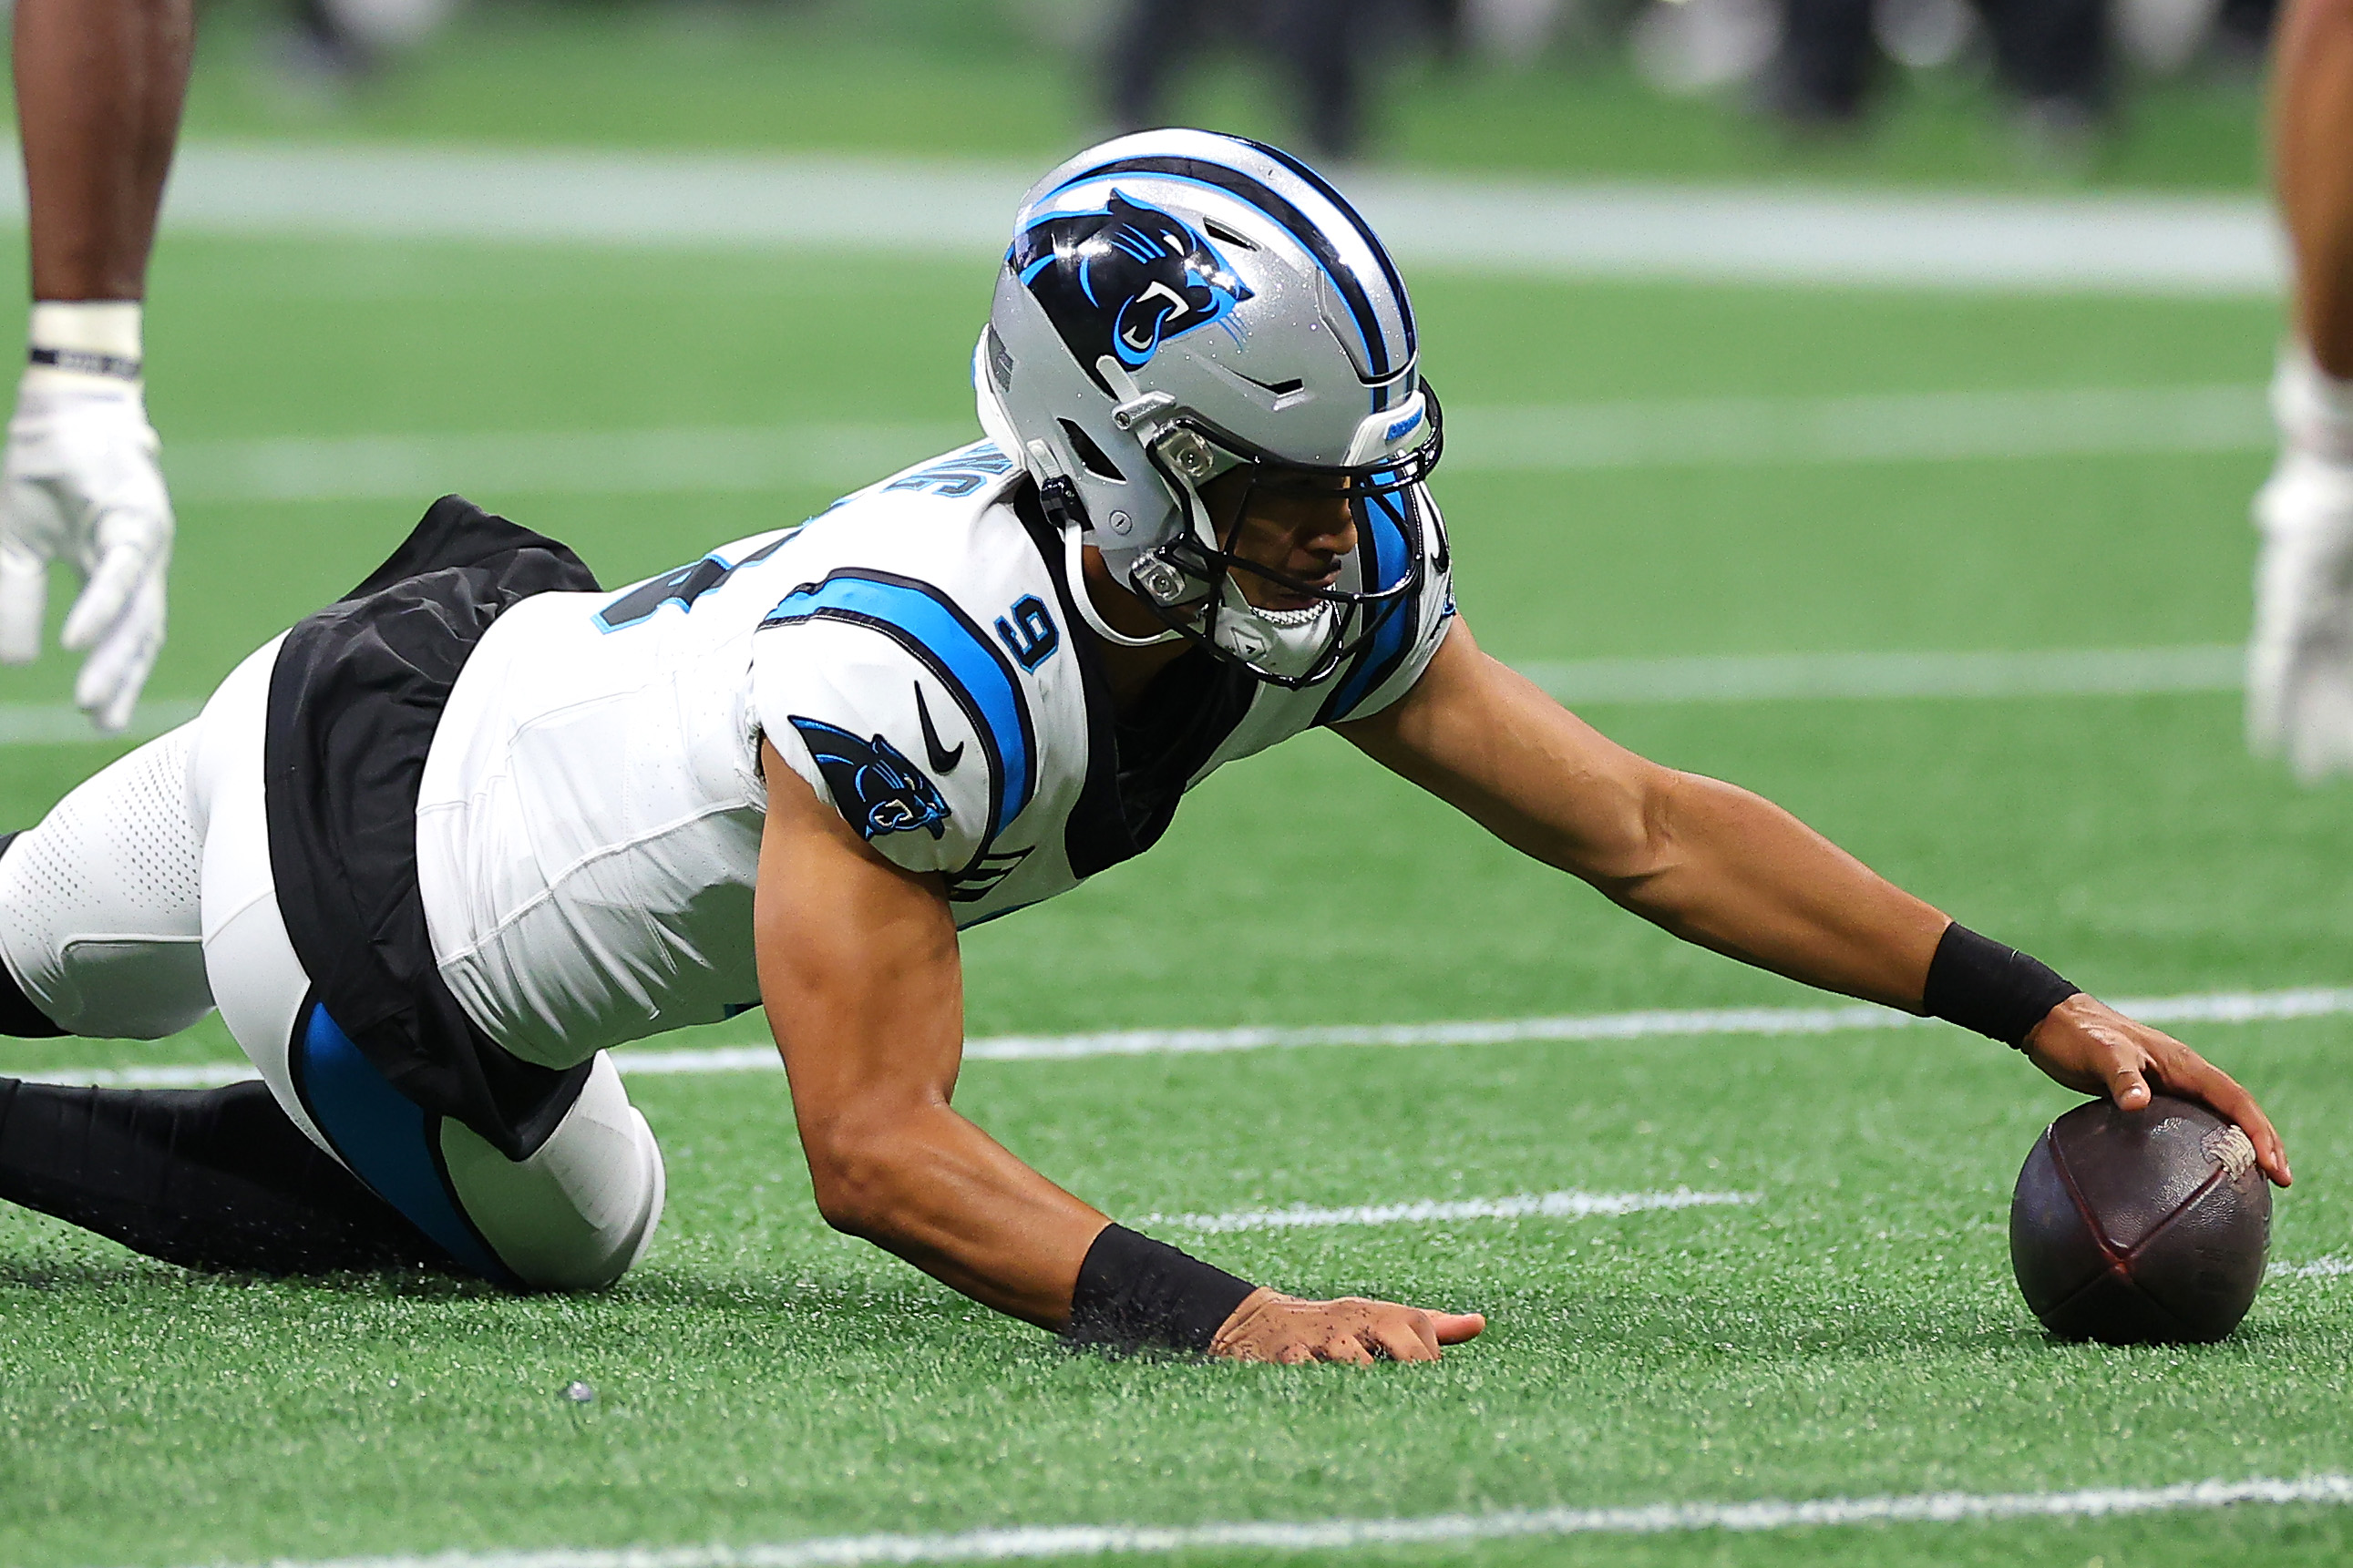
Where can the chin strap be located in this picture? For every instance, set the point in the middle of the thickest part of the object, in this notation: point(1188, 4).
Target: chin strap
point(1083, 594)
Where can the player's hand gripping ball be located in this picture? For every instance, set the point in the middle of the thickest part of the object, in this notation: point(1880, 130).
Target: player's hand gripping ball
point(2140, 1227)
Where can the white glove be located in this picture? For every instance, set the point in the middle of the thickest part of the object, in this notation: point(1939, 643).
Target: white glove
point(2300, 659)
point(82, 484)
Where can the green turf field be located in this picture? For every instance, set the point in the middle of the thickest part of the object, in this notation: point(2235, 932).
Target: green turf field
point(1851, 1332)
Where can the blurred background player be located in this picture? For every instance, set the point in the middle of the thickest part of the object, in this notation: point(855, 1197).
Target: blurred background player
point(2300, 662)
point(1322, 47)
point(99, 88)
point(2051, 54)
point(2064, 67)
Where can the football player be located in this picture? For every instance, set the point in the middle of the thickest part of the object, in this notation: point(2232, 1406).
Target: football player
point(437, 849)
point(99, 87)
point(2300, 659)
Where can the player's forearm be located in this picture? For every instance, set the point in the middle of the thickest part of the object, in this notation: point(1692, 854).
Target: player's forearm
point(932, 1188)
point(99, 88)
point(1709, 861)
point(1732, 871)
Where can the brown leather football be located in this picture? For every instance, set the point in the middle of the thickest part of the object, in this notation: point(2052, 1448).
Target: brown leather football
point(2140, 1227)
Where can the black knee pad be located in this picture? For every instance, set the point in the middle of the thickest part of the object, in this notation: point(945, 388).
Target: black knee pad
point(19, 1016)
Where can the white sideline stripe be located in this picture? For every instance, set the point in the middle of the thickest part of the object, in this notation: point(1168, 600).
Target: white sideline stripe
point(1565, 438)
point(1570, 1205)
point(2200, 1008)
point(1755, 678)
point(1015, 1542)
point(2215, 245)
point(2319, 1268)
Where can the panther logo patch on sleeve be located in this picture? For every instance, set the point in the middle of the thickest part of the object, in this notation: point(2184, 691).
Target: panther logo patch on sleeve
point(877, 788)
point(1122, 281)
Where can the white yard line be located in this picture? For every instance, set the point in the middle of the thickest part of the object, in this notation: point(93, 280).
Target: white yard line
point(2209, 1007)
point(725, 460)
point(61, 723)
point(2200, 1007)
point(1018, 1542)
point(1732, 678)
point(2318, 1269)
point(1571, 1205)
point(182, 1075)
point(1736, 678)
point(963, 209)
point(1565, 438)
point(1930, 426)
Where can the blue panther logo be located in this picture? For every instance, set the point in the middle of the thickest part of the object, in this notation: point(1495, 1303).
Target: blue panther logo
point(878, 789)
point(1124, 281)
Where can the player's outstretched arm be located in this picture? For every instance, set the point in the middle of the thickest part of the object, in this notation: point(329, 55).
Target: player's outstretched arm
point(863, 986)
point(1727, 869)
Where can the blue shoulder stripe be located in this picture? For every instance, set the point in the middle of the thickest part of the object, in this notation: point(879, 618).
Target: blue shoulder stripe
point(924, 621)
point(1382, 540)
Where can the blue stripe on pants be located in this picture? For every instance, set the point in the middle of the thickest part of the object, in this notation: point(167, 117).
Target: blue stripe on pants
point(386, 1138)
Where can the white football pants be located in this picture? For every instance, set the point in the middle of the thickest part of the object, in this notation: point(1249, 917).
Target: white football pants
point(145, 899)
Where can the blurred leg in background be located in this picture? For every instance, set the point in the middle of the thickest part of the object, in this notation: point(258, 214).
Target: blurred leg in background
point(323, 43)
point(2300, 660)
point(2053, 54)
point(2244, 26)
point(1315, 44)
point(1828, 59)
point(1147, 48)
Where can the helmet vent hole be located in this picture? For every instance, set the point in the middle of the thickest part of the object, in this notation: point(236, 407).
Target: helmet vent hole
point(1217, 230)
point(1000, 361)
point(1097, 460)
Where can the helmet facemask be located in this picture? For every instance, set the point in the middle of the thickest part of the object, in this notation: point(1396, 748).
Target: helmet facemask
point(1195, 583)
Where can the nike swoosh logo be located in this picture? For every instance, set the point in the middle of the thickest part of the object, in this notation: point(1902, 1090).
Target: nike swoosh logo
point(943, 761)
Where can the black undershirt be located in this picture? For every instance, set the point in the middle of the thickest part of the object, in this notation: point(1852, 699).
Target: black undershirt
point(1139, 762)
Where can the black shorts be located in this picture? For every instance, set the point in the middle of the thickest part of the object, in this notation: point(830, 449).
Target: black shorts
point(355, 697)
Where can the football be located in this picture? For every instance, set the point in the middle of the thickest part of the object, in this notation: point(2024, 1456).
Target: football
point(2140, 1227)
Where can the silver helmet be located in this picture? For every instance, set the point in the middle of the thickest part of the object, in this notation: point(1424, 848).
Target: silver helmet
point(1178, 305)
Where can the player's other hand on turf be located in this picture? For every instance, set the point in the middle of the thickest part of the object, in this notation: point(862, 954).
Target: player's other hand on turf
point(82, 484)
point(1270, 1326)
point(2089, 1046)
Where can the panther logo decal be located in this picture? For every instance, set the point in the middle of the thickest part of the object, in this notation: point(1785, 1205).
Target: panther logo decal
point(1122, 281)
point(877, 788)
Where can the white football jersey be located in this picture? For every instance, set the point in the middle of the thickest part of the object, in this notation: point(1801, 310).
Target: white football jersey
point(588, 828)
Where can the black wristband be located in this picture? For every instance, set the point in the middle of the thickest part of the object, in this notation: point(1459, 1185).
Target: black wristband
point(1997, 991)
point(88, 362)
point(1135, 1293)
